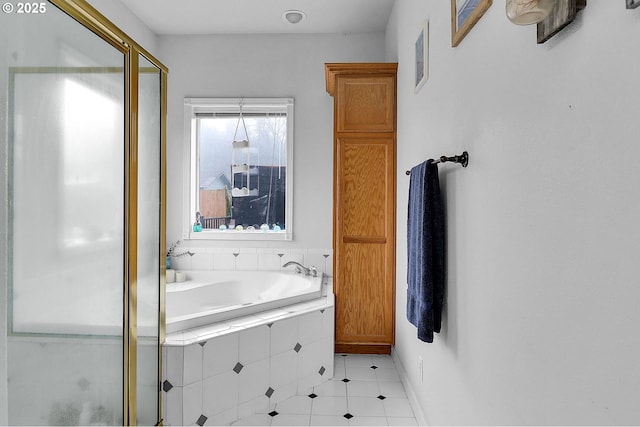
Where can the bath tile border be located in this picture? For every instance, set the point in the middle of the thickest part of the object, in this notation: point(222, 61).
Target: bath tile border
point(248, 258)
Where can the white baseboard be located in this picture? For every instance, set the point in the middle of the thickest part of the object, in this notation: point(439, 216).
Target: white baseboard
point(411, 394)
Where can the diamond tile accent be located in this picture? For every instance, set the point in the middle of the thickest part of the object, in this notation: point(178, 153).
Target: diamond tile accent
point(313, 395)
point(238, 368)
point(381, 397)
point(346, 380)
point(201, 420)
point(166, 385)
point(348, 416)
point(322, 370)
point(235, 254)
point(280, 255)
point(297, 348)
point(269, 325)
point(273, 413)
point(374, 367)
point(202, 344)
point(269, 392)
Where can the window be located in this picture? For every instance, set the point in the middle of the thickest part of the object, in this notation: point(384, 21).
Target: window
point(240, 162)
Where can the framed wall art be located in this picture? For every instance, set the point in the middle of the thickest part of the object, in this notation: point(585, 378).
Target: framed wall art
point(421, 58)
point(562, 15)
point(464, 15)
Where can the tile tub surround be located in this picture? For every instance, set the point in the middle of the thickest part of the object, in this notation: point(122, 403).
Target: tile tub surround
point(217, 374)
point(264, 259)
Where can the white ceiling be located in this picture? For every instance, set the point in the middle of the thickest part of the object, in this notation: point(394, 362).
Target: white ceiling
point(261, 16)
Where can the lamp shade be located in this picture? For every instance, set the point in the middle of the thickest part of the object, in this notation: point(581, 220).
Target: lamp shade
point(527, 12)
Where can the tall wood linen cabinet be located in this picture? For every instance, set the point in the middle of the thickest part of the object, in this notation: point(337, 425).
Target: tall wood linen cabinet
point(364, 204)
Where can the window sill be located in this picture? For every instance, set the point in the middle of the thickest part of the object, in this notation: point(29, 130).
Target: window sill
point(238, 235)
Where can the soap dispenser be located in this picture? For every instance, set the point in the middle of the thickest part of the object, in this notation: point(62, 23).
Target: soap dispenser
point(197, 226)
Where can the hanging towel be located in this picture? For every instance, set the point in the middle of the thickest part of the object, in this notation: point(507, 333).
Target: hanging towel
point(425, 248)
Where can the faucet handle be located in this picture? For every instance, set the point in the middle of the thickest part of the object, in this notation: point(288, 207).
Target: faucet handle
point(298, 270)
point(314, 270)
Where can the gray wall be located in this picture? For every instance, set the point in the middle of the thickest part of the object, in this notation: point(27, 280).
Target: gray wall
point(541, 317)
point(265, 66)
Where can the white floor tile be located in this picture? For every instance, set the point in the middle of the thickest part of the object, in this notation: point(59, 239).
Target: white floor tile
point(391, 389)
point(396, 407)
point(331, 389)
point(365, 406)
point(382, 361)
point(295, 405)
point(290, 420)
point(399, 421)
point(328, 420)
point(335, 398)
point(359, 360)
point(329, 406)
point(224, 418)
point(360, 373)
point(363, 388)
point(368, 421)
point(387, 374)
point(254, 420)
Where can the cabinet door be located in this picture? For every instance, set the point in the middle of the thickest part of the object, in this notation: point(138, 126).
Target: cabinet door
point(365, 242)
point(365, 104)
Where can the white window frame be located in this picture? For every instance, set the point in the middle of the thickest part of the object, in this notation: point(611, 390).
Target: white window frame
point(194, 106)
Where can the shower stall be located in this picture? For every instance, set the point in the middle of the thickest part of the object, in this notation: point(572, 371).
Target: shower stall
point(82, 165)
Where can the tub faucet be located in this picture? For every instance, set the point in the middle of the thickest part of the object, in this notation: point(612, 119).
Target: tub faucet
point(183, 254)
point(300, 268)
point(172, 251)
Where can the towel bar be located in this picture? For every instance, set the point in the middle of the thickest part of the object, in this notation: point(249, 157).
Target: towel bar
point(463, 159)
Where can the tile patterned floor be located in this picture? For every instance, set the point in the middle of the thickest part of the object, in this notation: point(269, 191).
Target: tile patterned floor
point(365, 391)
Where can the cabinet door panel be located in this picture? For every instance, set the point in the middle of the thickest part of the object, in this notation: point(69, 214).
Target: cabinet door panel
point(363, 186)
point(363, 302)
point(365, 104)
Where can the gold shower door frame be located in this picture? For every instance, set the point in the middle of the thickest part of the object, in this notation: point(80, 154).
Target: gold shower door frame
point(93, 20)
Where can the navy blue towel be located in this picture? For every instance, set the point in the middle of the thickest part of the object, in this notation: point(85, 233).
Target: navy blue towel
point(425, 248)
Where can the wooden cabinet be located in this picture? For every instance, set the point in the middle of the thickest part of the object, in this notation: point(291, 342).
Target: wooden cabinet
point(364, 204)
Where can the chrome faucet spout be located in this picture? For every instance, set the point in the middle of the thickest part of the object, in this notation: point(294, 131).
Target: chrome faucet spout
point(299, 267)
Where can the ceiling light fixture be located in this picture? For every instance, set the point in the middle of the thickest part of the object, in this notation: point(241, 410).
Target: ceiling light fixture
point(527, 12)
point(293, 16)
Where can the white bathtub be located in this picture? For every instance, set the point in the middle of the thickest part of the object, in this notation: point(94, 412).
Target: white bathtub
point(214, 296)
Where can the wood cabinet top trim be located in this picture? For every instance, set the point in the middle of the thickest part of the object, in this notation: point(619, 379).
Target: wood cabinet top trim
point(356, 68)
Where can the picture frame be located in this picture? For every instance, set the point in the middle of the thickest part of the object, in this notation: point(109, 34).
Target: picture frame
point(563, 14)
point(421, 49)
point(464, 15)
point(632, 4)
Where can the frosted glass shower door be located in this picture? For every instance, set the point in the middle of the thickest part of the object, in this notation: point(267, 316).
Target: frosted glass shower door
point(66, 220)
